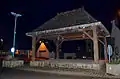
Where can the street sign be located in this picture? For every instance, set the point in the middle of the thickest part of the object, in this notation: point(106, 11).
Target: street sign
point(109, 51)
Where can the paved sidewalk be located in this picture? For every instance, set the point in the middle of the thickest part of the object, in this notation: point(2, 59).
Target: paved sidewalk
point(72, 73)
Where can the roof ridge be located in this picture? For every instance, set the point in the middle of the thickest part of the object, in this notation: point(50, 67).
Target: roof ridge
point(82, 9)
point(73, 10)
point(89, 16)
point(62, 19)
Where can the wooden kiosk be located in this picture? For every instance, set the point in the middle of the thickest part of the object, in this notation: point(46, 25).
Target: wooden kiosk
point(71, 25)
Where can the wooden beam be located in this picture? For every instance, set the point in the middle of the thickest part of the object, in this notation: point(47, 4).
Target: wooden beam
point(95, 43)
point(101, 41)
point(60, 42)
point(68, 39)
point(38, 38)
point(49, 37)
point(33, 47)
point(100, 36)
point(88, 35)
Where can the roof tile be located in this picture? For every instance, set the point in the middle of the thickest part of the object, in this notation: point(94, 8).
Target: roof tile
point(66, 19)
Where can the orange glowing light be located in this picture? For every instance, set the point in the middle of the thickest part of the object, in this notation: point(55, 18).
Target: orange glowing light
point(119, 12)
point(42, 47)
point(17, 52)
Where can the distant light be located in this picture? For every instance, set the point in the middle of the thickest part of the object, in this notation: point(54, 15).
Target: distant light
point(13, 49)
point(83, 27)
point(40, 41)
point(1, 40)
point(84, 56)
point(119, 12)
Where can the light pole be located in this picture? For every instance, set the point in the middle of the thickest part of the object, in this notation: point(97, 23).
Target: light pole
point(1, 45)
point(1, 40)
point(16, 16)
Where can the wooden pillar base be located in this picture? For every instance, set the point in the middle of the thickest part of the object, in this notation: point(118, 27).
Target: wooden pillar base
point(57, 49)
point(106, 59)
point(33, 48)
point(95, 43)
point(96, 53)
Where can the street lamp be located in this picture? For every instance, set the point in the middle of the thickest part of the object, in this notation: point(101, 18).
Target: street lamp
point(1, 44)
point(16, 16)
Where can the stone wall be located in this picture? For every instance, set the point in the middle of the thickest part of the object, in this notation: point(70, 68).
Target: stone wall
point(12, 63)
point(58, 64)
point(113, 69)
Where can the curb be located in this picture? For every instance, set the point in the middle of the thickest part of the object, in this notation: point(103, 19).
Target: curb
point(68, 73)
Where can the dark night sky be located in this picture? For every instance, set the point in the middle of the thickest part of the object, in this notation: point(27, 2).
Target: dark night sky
point(36, 12)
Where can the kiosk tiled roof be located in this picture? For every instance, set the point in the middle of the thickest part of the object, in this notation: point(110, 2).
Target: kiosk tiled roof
point(66, 19)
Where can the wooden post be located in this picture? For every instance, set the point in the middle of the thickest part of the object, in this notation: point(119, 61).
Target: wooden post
point(33, 47)
point(57, 48)
point(37, 52)
point(95, 43)
point(106, 59)
point(28, 54)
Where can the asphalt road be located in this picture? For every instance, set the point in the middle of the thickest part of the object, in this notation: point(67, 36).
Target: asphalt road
point(19, 74)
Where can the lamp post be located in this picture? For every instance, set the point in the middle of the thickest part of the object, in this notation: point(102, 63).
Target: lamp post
point(1, 45)
point(16, 16)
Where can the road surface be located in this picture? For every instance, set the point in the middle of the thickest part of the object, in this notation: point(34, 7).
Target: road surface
point(19, 74)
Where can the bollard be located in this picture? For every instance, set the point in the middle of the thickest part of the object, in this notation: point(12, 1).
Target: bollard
point(1, 66)
point(0, 63)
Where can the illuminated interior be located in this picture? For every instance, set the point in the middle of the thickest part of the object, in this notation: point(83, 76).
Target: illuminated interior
point(42, 51)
